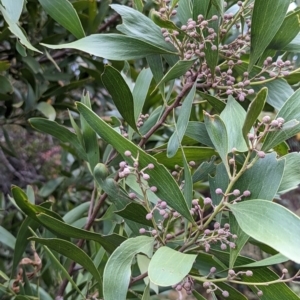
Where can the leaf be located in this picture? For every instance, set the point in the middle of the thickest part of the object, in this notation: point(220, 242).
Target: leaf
point(117, 270)
point(291, 174)
point(29, 209)
point(287, 31)
point(159, 176)
point(264, 25)
point(162, 270)
point(294, 45)
point(47, 110)
point(198, 132)
point(270, 170)
point(202, 172)
point(216, 103)
point(63, 12)
point(254, 109)
point(5, 85)
point(16, 30)
point(184, 11)
point(288, 112)
point(13, 9)
point(234, 117)
point(109, 243)
point(269, 261)
point(137, 25)
point(197, 154)
point(73, 252)
point(89, 137)
point(182, 122)
point(188, 183)
point(60, 132)
point(179, 69)
point(140, 91)
point(219, 4)
point(200, 8)
point(7, 238)
point(217, 132)
point(113, 46)
point(271, 224)
point(135, 212)
point(120, 93)
point(50, 186)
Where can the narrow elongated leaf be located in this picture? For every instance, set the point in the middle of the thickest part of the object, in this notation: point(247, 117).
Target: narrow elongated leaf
point(113, 46)
point(268, 168)
point(137, 25)
point(162, 270)
point(254, 109)
point(156, 66)
point(63, 12)
point(109, 242)
point(216, 103)
point(269, 261)
point(7, 238)
point(291, 174)
point(188, 183)
point(294, 45)
point(5, 85)
point(120, 93)
point(159, 176)
point(198, 132)
point(219, 4)
point(140, 91)
point(13, 9)
point(182, 122)
point(264, 25)
point(289, 112)
point(117, 270)
point(73, 252)
point(200, 8)
point(16, 30)
point(218, 134)
point(179, 69)
point(184, 11)
point(47, 110)
point(60, 132)
point(256, 218)
point(234, 117)
point(287, 31)
point(197, 154)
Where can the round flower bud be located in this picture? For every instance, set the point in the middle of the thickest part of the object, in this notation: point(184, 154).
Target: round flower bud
point(266, 119)
point(261, 154)
point(206, 284)
point(127, 153)
point(274, 123)
point(146, 176)
point(217, 225)
point(153, 189)
point(132, 195)
point(207, 231)
point(151, 166)
point(280, 120)
point(246, 193)
point(195, 202)
point(166, 216)
point(207, 201)
point(213, 269)
point(122, 164)
point(192, 163)
point(214, 17)
point(163, 204)
point(284, 271)
point(225, 294)
point(219, 191)
point(236, 192)
point(149, 216)
point(232, 245)
point(231, 272)
point(187, 285)
point(169, 236)
point(176, 214)
point(259, 293)
point(250, 91)
point(226, 226)
point(142, 230)
point(162, 212)
point(214, 47)
point(234, 236)
point(249, 273)
point(223, 246)
point(154, 232)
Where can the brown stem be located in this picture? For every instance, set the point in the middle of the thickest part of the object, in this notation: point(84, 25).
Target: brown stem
point(137, 278)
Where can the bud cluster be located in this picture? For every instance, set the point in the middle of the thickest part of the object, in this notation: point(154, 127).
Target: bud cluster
point(186, 284)
point(211, 287)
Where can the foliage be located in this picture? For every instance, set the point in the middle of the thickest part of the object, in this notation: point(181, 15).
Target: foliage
point(172, 127)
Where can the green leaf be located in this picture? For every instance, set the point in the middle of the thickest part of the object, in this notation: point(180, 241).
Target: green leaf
point(7, 238)
point(63, 12)
point(294, 45)
point(47, 110)
point(109, 243)
point(162, 270)
point(73, 252)
point(216, 103)
point(182, 122)
point(29, 209)
point(200, 8)
point(60, 132)
point(184, 11)
point(218, 134)
point(197, 131)
point(113, 46)
point(76, 213)
point(135, 212)
point(254, 109)
point(89, 137)
point(179, 69)
point(291, 174)
point(140, 91)
point(156, 66)
point(256, 218)
point(219, 4)
point(16, 30)
point(120, 93)
point(197, 154)
point(287, 31)
point(269, 261)
point(137, 25)
point(289, 112)
point(270, 170)
point(5, 85)
point(234, 117)
point(264, 25)
point(159, 176)
point(13, 9)
point(188, 183)
point(206, 168)
point(50, 186)
point(117, 270)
